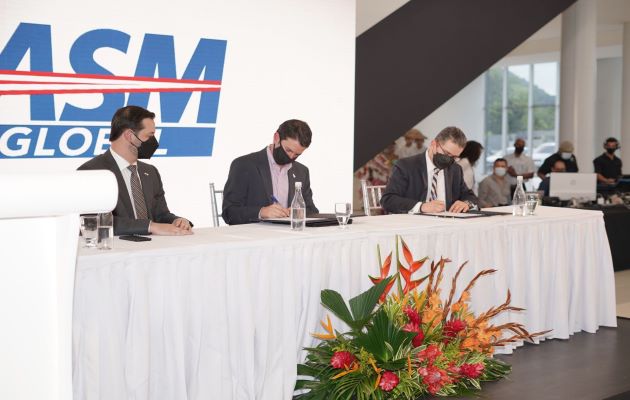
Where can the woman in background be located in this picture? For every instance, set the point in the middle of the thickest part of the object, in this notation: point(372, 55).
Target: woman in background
point(467, 161)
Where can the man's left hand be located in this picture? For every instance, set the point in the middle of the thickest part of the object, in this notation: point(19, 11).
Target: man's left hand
point(182, 223)
point(459, 207)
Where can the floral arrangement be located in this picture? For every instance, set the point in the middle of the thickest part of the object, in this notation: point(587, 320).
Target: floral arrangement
point(408, 344)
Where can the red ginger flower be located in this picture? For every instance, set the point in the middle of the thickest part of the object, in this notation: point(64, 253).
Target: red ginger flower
point(433, 377)
point(412, 314)
point(419, 338)
point(471, 370)
point(453, 327)
point(430, 353)
point(342, 359)
point(389, 381)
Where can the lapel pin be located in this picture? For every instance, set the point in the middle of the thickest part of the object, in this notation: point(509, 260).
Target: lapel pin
point(146, 173)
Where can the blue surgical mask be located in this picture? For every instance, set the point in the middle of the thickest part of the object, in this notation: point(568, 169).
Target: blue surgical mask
point(500, 171)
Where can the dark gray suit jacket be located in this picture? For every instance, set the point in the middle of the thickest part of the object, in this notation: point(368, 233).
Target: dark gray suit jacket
point(408, 185)
point(249, 188)
point(125, 222)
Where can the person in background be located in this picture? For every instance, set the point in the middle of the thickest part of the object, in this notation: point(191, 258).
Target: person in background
point(608, 165)
point(431, 182)
point(564, 153)
point(467, 161)
point(558, 166)
point(412, 143)
point(519, 164)
point(141, 208)
point(261, 185)
point(494, 190)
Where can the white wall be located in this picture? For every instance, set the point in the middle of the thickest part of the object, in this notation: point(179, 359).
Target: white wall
point(284, 60)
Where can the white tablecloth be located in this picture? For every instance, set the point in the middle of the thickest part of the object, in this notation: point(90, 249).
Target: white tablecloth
point(225, 313)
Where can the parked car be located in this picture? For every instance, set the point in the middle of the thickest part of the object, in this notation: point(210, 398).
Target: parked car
point(543, 151)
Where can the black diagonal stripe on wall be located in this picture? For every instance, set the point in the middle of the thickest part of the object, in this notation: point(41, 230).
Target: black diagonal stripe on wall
point(417, 58)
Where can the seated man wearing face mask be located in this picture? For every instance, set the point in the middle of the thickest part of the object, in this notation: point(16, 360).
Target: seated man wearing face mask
point(431, 181)
point(141, 208)
point(494, 190)
point(565, 153)
point(261, 185)
point(608, 165)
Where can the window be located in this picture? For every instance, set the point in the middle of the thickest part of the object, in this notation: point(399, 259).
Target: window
point(521, 101)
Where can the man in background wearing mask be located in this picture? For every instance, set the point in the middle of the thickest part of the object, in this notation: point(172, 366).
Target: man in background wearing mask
point(141, 207)
point(558, 166)
point(261, 185)
point(565, 153)
point(431, 181)
point(494, 190)
point(519, 164)
point(608, 166)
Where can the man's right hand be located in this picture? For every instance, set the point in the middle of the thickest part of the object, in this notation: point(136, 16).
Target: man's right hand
point(434, 206)
point(274, 211)
point(168, 229)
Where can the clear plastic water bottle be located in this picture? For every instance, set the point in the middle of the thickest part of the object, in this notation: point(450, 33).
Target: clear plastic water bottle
point(518, 201)
point(298, 209)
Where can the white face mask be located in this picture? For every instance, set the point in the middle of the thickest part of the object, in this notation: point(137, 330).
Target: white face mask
point(566, 156)
point(500, 171)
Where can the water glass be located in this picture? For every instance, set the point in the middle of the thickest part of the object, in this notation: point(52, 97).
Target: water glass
point(105, 231)
point(531, 202)
point(343, 212)
point(89, 230)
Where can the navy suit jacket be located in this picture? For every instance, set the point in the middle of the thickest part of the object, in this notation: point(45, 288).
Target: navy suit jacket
point(249, 188)
point(125, 222)
point(408, 185)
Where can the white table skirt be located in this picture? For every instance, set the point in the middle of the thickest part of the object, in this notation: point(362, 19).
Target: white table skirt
point(225, 313)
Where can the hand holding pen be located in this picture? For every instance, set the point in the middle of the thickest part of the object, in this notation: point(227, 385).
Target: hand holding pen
point(274, 210)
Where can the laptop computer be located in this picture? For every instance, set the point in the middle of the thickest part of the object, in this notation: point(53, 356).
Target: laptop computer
point(573, 185)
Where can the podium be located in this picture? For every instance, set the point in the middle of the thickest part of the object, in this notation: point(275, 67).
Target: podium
point(39, 230)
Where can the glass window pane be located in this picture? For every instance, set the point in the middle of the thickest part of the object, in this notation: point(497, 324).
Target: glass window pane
point(493, 110)
point(544, 132)
point(545, 83)
point(518, 93)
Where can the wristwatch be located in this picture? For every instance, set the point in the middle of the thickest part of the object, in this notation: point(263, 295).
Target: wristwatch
point(471, 205)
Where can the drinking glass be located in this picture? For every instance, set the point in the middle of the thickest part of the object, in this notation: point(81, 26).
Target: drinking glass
point(343, 212)
point(531, 202)
point(105, 231)
point(89, 230)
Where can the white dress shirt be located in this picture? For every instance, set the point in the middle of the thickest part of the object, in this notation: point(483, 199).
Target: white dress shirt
point(441, 184)
point(126, 174)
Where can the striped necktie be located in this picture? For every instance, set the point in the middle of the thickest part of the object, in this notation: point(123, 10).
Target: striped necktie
point(136, 193)
point(434, 195)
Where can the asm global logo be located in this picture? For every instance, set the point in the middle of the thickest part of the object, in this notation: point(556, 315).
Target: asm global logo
point(188, 101)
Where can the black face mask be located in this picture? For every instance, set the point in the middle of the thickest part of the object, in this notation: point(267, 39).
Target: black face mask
point(280, 156)
point(611, 151)
point(147, 148)
point(442, 161)
point(518, 149)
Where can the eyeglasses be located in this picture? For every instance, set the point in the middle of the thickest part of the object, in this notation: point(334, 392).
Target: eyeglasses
point(456, 158)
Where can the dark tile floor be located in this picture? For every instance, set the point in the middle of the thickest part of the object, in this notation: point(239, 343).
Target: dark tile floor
point(585, 367)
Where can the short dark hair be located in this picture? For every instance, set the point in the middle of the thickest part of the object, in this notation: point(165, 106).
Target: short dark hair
point(472, 151)
point(499, 160)
point(611, 140)
point(561, 161)
point(296, 129)
point(129, 117)
point(452, 133)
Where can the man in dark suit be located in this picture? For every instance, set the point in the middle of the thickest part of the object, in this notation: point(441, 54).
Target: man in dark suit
point(261, 185)
point(431, 181)
point(141, 207)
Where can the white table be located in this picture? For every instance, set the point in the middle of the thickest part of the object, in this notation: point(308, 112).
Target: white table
point(224, 314)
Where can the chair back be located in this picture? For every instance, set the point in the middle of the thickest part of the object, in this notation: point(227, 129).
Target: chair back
point(216, 198)
point(372, 198)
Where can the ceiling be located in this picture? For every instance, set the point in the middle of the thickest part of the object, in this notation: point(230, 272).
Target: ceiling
point(611, 15)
